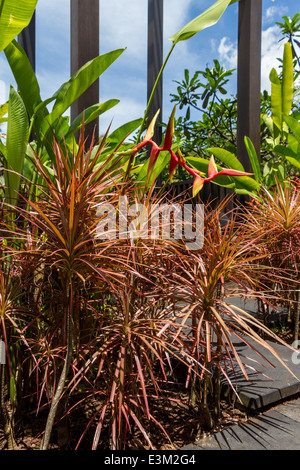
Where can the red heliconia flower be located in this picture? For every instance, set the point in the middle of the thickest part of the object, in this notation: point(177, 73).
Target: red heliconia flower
point(177, 159)
point(152, 159)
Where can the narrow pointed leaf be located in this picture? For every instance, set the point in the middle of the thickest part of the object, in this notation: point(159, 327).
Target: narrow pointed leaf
point(90, 114)
point(208, 18)
point(253, 159)
point(287, 79)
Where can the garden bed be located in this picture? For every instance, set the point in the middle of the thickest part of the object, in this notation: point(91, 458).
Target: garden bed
point(182, 421)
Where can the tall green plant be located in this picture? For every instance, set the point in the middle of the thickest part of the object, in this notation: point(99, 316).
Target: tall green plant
point(39, 118)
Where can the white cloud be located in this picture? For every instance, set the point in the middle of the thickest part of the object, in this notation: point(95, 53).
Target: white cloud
point(228, 53)
point(274, 12)
point(271, 50)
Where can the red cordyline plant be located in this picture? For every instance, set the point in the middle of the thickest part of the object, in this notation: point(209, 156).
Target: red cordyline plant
point(14, 318)
point(9, 310)
point(102, 324)
point(224, 267)
point(274, 220)
point(131, 353)
point(75, 272)
point(64, 215)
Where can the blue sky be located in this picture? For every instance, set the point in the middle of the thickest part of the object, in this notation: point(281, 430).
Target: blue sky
point(123, 23)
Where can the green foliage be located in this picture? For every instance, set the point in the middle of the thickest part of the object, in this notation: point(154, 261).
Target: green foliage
point(217, 126)
point(17, 136)
point(208, 18)
point(13, 19)
point(101, 319)
point(290, 29)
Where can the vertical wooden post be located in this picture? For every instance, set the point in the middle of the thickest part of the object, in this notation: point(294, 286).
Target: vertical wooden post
point(26, 39)
point(84, 47)
point(249, 73)
point(155, 61)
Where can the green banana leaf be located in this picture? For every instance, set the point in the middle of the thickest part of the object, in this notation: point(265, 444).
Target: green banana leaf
point(276, 100)
point(208, 18)
point(90, 114)
point(287, 79)
point(15, 15)
point(17, 135)
point(253, 159)
point(27, 83)
point(226, 157)
point(282, 90)
point(240, 184)
point(71, 90)
point(122, 132)
point(162, 161)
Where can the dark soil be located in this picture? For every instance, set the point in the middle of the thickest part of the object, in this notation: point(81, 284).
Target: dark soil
point(182, 421)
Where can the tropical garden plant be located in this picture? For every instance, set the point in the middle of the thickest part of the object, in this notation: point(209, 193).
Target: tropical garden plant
point(215, 132)
point(90, 313)
point(273, 220)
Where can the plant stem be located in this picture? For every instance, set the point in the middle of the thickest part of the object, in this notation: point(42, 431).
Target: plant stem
point(5, 419)
point(217, 394)
point(205, 408)
point(63, 376)
point(297, 316)
point(153, 91)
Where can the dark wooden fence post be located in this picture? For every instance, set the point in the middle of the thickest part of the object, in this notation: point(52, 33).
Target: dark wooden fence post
point(84, 47)
point(249, 73)
point(26, 39)
point(155, 61)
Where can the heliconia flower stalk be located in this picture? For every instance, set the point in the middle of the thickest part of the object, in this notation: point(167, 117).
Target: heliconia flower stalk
point(177, 159)
point(169, 131)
